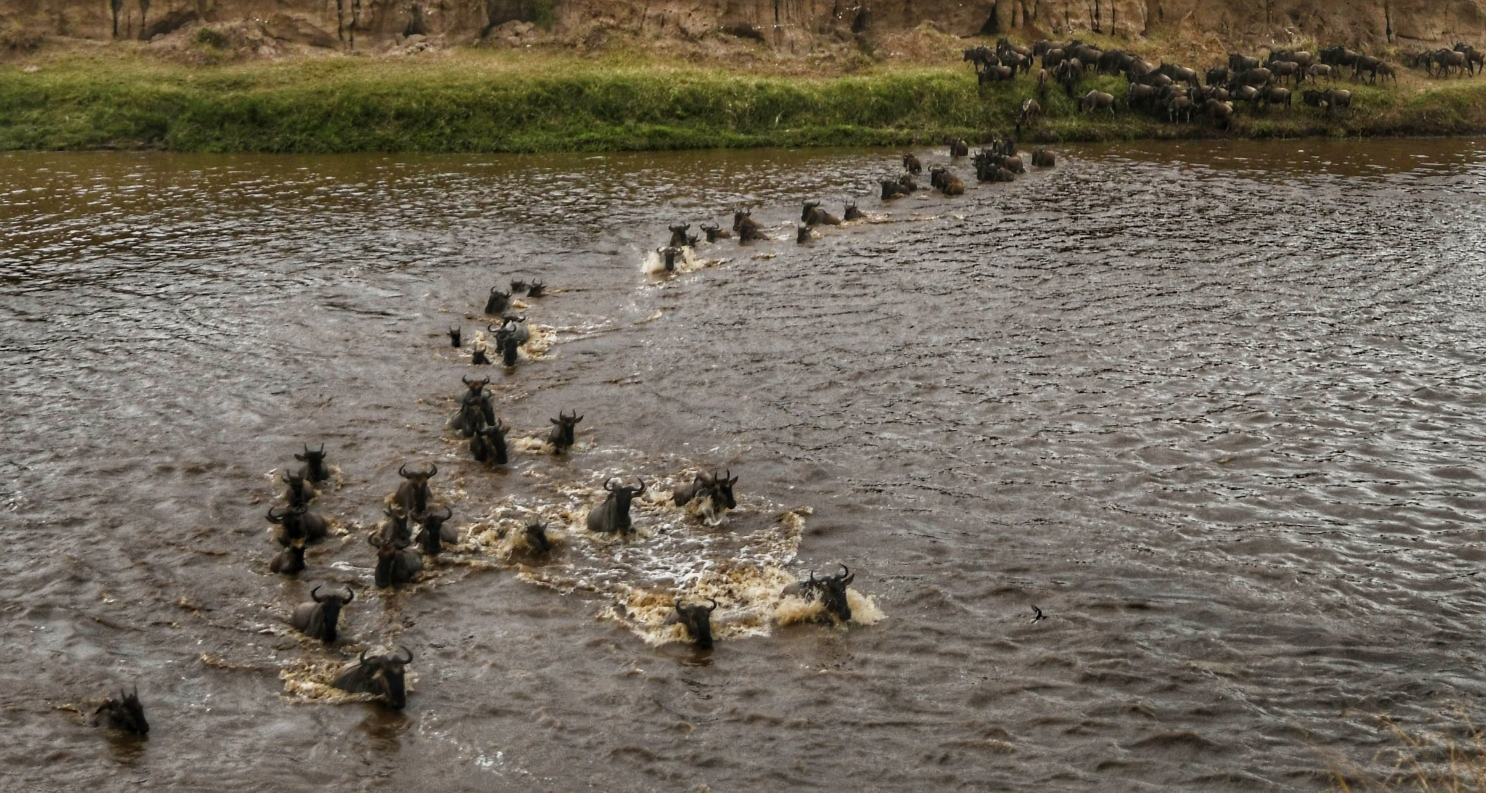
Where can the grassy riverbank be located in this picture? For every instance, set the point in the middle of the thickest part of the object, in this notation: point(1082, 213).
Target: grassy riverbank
point(472, 100)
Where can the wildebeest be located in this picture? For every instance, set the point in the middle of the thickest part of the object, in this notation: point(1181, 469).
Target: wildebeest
point(746, 227)
point(298, 523)
point(911, 163)
point(412, 495)
point(802, 234)
point(124, 713)
point(1475, 60)
point(479, 357)
point(1042, 158)
point(536, 289)
point(1335, 99)
point(892, 188)
point(509, 337)
point(994, 73)
point(434, 534)
point(813, 215)
point(314, 464)
point(563, 429)
point(300, 492)
point(489, 444)
point(537, 541)
point(397, 526)
point(1043, 79)
point(498, 301)
point(1241, 63)
point(290, 560)
point(951, 185)
point(396, 565)
point(830, 591)
point(678, 235)
point(852, 213)
point(715, 232)
point(454, 334)
point(668, 256)
point(1256, 77)
point(382, 675)
point(1095, 100)
point(1068, 74)
point(717, 488)
point(1339, 56)
point(1219, 112)
point(518, 285)
point(697, 620)
point(475, 408)
point(1277, 96)
point(1282, 69)
point(318, 620)
point(612, 516)
point(1318, 70)
point(1030, 110)
point(1312, 97)
point(1371, 65)
point(958, 147)
point(1218, 75)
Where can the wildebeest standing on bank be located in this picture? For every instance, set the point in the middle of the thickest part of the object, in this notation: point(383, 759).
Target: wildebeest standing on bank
point(318, 620)
point(382, 675)
point(125, 713)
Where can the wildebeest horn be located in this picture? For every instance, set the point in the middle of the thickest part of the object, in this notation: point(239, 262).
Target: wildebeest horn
point(494, 329)
point(314, 596)
point(410, 656)
point(286, 478)
point(363, 657)
point(402, 470)
point(372, 540)
point(641, 488)
point(714, 605)
point(846, 575)
point(606, 484)
point(350, 594)
point(466, 381)
point(433, 469)
point(448, 513)
point(272, 518)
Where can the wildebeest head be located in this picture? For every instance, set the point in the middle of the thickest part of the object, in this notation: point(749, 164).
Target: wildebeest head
point(413, 494)
point(476, 388)
point(808, 211)
point(832, 591)
point(535, 289)
point(722, 489)
point(455, 337)
point(497, 301)
point(125, 713)
point(563, 429)
point(479, 357)
point(489, 444)
point(299, 492)
point(698, 622)
point(290, 560)
point(320, 619)
point(668, 256)
point(506, 341)
point(741, 218)
point(518, 285)
point(433, 530)
point(802, 234)
point(289, 520)
point(852, 213)
point(382, 675)
point(314, 463)
point(396, 527)
point(911, 163)
point(715, 232)
point(537, 541)
point(678, 235)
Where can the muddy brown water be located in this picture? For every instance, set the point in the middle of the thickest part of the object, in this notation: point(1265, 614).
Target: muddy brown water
point(1215, 408)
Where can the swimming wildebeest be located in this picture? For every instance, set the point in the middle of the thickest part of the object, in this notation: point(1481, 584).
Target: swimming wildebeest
point(563, 430)
point(718, 488)
point(290, 560)
point(509, 337)
point(746, 227)
point(396, 527)
point(480, 357)
point(382, 675)
point(314, 464)
point(412, 495)
point(612, 516)
point(489, 444)
point(697, 620)
point(454, 334)
point(536, 289)
point(668, 256)
point(715, 232)
point(813, 215)
point(300, 492)
point(124, 713)
point(852, 213)
point(678, 235)
point(298, 524)
point(318, 620)
point(830, 591)
point(957, 147)
point(802, 234)
point(1042, 158)
point(396, 565)
point(537, 541)
point(498, 301)
point(434, 533)
point(911, 164)
point(892, 188)
point(518, 285)
point(475, 408)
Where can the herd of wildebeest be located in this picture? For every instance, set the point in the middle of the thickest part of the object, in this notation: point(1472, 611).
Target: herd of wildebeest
point(1178, 94)
point(411, 516)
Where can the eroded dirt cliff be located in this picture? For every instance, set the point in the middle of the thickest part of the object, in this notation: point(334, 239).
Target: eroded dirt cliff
point(785, 26)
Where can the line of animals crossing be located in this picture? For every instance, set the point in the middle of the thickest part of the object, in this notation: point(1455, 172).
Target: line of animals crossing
point(1176, 93)
point(411, 517)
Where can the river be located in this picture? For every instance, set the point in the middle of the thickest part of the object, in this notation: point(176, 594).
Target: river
point(1215, 408)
